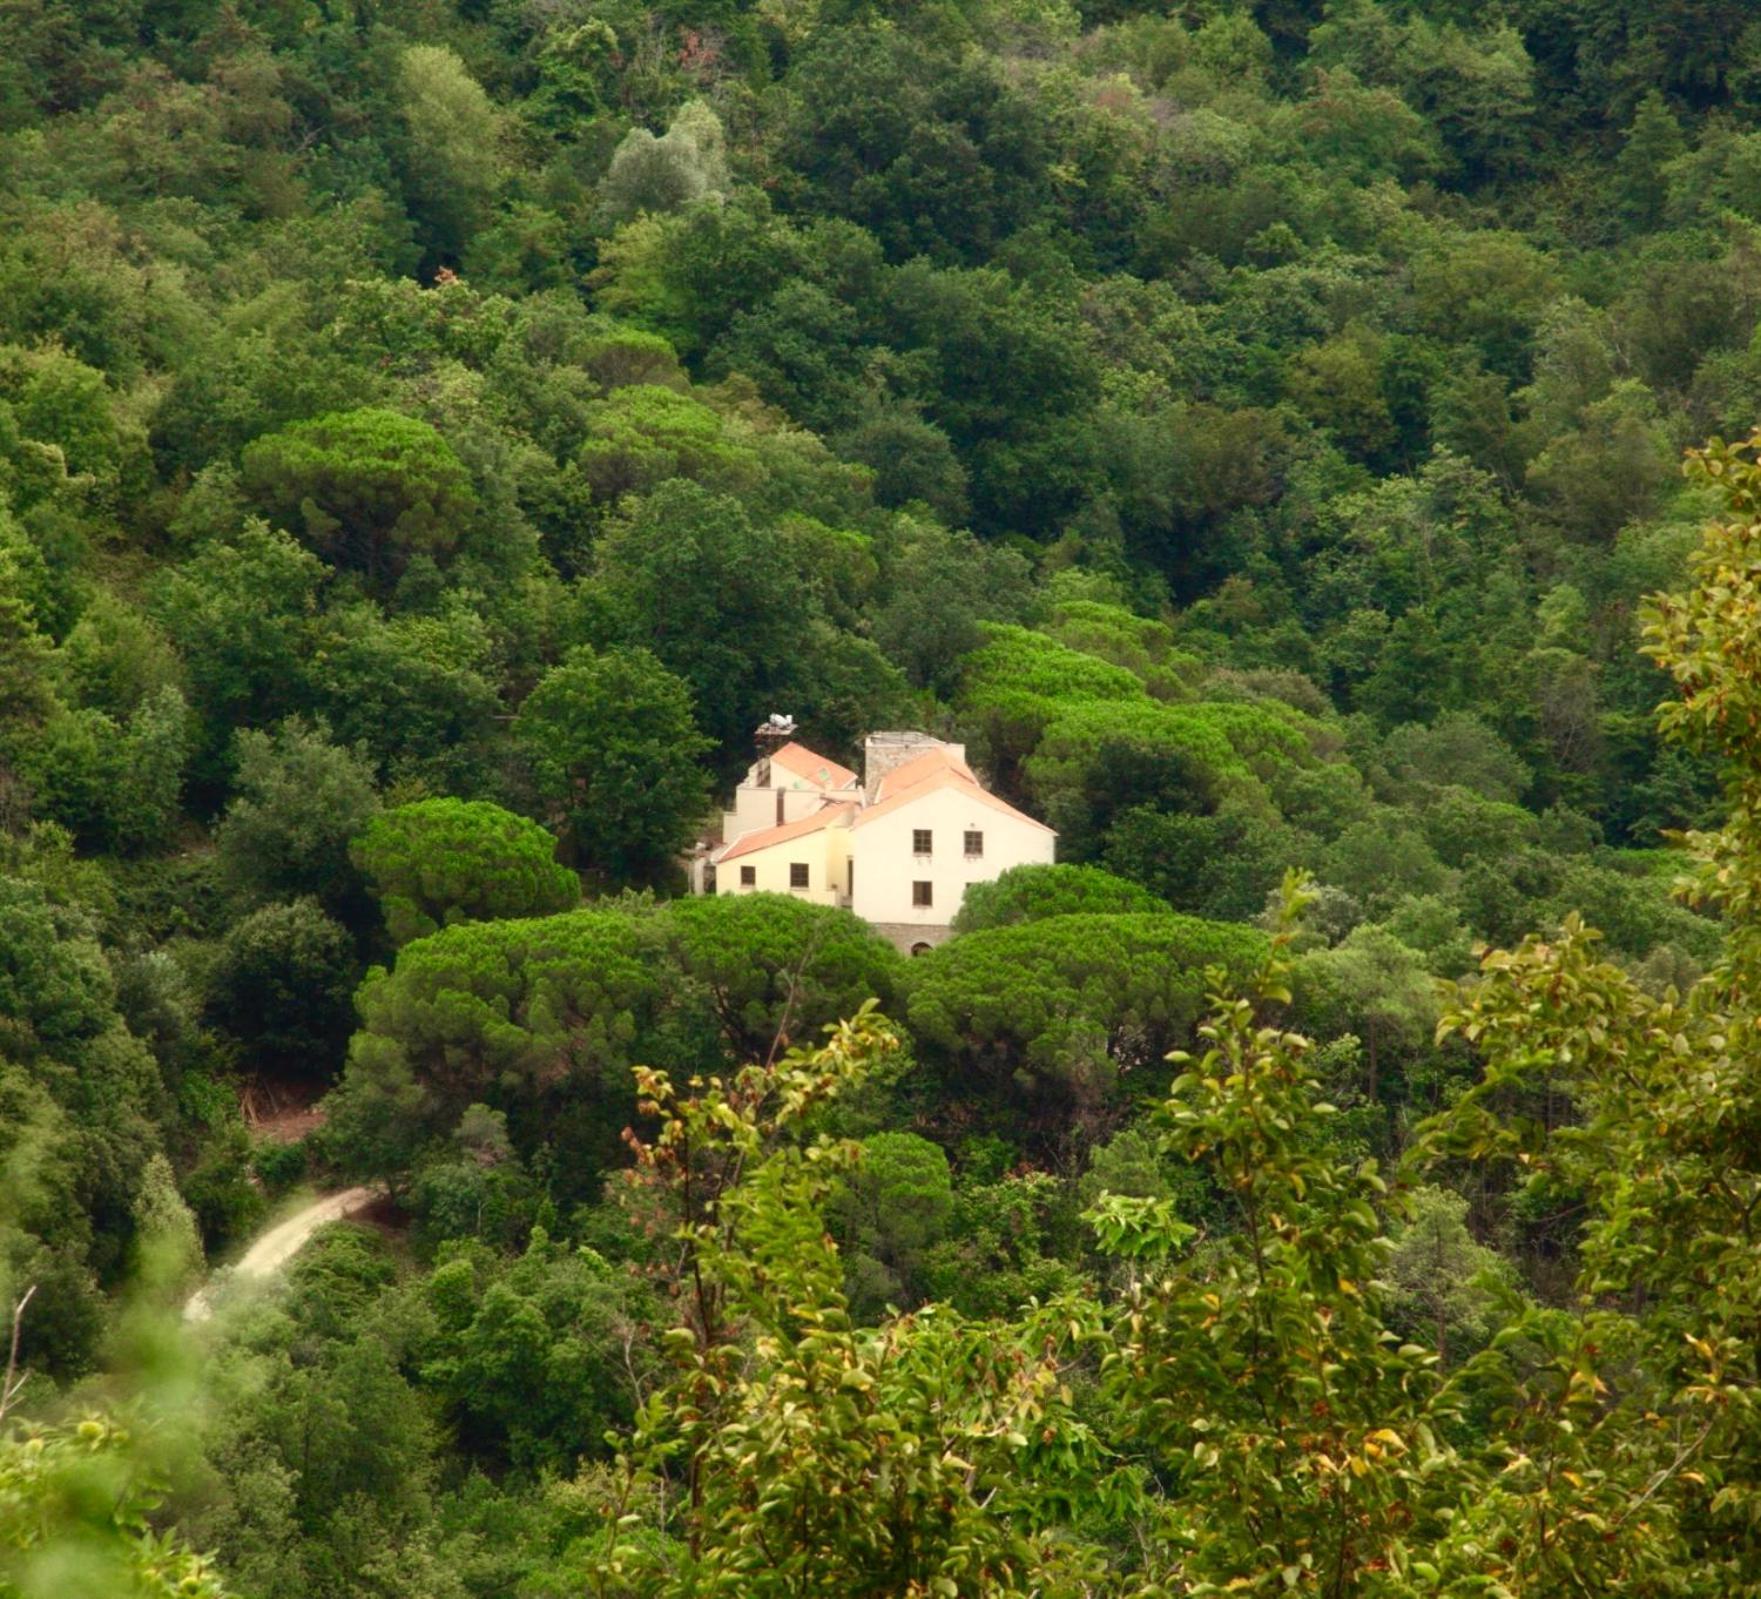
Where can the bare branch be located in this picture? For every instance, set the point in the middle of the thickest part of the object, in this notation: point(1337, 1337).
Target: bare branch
point(14, 1381)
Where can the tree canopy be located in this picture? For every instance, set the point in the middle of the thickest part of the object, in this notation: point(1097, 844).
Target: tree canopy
point(613, 754)
point(434, 436)
point(435, 862)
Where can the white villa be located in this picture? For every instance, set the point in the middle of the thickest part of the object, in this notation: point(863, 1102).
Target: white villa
point(897, 845)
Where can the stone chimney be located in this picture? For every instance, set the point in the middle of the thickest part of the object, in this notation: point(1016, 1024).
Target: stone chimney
point(885, 752)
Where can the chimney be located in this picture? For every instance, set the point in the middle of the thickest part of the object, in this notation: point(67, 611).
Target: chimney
point(884, 752)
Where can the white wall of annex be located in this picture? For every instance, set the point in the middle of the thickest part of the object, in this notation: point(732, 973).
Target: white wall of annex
point(756, 807)
point(886, 865)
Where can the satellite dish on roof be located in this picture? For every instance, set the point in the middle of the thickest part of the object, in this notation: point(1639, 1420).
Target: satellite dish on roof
point(774, 730)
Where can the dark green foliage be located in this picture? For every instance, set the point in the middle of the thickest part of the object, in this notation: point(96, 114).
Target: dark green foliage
point(416, 692)
point(943, 587)
point(476, 1189)
point(223, 1191)
point(115, 784)
point(613, 754)
point(1220, 863)
point(536, 1022)
point(447, 155)
point(283, 988)
point(440, 861)
point(366, 489)
point(1251, 429)
point(538, 1019)
point(897, 1205)
point(773, 970)
point(744, 611)
point(1459, 749)
point(1374, 987)
point(529, 1355)
point(1031, 893)
point(83, 1102)
point(280, 1165)
point(932, 157)
point(240, 615)
point(300, 801)
point(1051, 1015)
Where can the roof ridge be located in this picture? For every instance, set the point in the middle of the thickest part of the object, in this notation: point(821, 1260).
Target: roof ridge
point(946, 776)
point(756, 838)
point(938, 757)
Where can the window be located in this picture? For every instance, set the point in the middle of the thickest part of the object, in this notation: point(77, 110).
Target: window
point(797, 874)
point(921, 894)
point(748, 876)
point(974, 844)
point(920, 841)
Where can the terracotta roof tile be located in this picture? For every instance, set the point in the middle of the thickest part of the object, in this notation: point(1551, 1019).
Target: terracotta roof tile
point(935, 770)
point(908, 774)
point(813, 766)
point(765, 837)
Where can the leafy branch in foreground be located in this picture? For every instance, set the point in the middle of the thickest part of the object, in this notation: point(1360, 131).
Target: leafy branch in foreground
point(1296, 1441)
point(930, 1456)
point(1628, 1428)
point(76, 1499)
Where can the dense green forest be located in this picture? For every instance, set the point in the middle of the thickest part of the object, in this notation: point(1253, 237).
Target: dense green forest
point(434, 432)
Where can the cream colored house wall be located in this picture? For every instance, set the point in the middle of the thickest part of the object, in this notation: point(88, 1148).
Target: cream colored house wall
point(756, 808)
point(837, 844)
point(886, 866)
point(823, 852)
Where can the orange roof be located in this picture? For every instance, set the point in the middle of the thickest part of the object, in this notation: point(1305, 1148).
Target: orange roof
point(936, 768)
point(803, 762)
point(764, 837)
point(908, 774)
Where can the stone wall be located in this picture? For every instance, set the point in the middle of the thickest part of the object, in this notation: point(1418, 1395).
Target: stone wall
point(905, 937)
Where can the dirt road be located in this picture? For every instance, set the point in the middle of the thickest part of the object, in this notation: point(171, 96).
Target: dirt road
point(282, 1242)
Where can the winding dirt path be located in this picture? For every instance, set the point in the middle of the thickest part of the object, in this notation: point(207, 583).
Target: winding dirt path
point(282, 1242)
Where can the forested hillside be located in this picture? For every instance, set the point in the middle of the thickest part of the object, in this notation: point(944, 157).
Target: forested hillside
point(434, 432)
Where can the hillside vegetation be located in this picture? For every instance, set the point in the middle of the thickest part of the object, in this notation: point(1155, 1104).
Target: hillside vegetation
point(434, 432)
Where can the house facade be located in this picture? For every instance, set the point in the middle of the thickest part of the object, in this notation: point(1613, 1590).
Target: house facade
point(898, 846)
